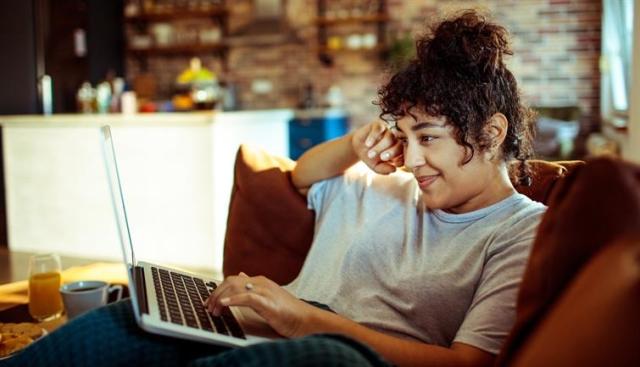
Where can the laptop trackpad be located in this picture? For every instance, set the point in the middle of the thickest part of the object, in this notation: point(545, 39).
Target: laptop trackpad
point(254, 324)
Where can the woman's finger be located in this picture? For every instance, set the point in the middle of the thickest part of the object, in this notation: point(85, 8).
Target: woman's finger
point(229, 283)
point(222, 301)
point(398, 161)
point(386, 142)
point(390, 152)
point(233, 286)
point(384, 168)
point(376, 132)
point(253, 300)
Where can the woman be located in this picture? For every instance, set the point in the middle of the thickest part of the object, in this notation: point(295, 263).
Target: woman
point(424, 265)
point(421, 265)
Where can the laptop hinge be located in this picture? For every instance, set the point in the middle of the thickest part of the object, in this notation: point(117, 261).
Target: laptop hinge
point(141, 289)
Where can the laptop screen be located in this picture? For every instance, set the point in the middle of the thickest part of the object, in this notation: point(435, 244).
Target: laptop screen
point(122, 224)
point(117, 197)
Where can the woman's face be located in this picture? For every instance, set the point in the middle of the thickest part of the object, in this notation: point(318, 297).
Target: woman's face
point(437, 162)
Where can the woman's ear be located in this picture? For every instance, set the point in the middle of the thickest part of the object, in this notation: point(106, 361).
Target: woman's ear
point(496, 129)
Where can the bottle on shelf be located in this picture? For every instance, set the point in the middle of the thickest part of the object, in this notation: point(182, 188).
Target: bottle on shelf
point(103, 97)
point(86, 98)
point(129, 102)
point(117, 87)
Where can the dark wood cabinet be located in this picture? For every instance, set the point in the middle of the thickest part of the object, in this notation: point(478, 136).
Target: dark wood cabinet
point(70, 41)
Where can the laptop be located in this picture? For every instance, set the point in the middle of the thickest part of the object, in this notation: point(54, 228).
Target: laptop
point(167, 301)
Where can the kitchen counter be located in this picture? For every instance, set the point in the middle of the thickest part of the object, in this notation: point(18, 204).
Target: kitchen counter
point(113, 119)
point(176, 170)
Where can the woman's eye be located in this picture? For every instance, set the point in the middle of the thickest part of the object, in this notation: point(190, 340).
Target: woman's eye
point(427, 138)
point(402, 141)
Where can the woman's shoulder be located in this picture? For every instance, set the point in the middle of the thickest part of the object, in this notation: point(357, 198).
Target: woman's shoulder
point(519, 223)
point(522, 215)
point(526, 214)
point(527, 206)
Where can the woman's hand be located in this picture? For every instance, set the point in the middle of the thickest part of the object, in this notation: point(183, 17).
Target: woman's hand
point(285, 313)
point(377, 147)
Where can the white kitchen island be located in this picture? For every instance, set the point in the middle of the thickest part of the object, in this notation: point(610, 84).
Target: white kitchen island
point(176, 170)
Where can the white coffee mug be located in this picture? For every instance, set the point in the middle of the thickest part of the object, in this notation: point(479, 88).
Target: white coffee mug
point(80, 297)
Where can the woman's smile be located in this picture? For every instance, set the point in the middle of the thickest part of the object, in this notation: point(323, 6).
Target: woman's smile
point(426, 181)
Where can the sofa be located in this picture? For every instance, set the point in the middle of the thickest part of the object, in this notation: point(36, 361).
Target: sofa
point(579, 301)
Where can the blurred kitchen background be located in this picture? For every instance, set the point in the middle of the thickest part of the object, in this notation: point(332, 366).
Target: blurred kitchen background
point(184, 81)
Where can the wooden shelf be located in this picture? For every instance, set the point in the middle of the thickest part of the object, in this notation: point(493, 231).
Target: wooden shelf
point(178, 14)
point(179, 49)
point(364, 23)
point(373, 18)
point(376, 49)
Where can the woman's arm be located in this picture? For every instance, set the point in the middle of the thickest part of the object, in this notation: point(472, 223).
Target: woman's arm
point(323, 161)
point(373, 143)
point(398, 351)
point(292, 317)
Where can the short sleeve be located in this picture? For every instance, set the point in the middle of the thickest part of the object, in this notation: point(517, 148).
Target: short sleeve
point(323, 192)
point(316, 194)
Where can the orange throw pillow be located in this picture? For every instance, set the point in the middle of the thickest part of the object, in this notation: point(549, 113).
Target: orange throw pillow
point(269, 228)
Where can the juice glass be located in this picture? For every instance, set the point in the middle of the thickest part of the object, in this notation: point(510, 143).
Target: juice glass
point(45, 302)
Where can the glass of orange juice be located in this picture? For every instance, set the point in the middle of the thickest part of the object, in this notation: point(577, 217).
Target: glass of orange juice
point(45, 302)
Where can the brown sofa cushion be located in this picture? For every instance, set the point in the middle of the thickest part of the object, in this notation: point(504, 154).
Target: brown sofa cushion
point(591, 208)
point(596, 320)
point(270, 229)
point(545, 175)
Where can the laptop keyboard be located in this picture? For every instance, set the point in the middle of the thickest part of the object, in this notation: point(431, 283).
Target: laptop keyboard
point(180, 298)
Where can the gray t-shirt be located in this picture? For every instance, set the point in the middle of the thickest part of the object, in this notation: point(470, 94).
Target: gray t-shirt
point(382, 259)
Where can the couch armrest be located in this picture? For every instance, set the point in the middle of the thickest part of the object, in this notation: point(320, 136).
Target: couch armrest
point(596, 321)
point(589, 210)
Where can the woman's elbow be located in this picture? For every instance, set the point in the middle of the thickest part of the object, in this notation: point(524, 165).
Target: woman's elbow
point(298, 181)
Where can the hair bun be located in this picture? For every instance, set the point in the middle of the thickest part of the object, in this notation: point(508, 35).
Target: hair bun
point(468, 43)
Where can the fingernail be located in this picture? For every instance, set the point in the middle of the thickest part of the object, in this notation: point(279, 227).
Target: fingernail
point(224, 301)
point(371, 154)
point(368, 143)
point(384, 156)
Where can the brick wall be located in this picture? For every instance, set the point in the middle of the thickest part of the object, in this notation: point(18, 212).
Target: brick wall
point(556, 44)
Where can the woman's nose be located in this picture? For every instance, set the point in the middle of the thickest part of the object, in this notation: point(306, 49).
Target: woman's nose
point(413, 157)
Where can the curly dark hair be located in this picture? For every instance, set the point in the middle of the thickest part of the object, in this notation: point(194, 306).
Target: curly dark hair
point(459, 73)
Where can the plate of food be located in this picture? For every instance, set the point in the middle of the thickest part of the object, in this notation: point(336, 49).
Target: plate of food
point(14, 337)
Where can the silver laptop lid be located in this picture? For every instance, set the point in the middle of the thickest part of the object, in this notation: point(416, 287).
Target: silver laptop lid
point(120, 212)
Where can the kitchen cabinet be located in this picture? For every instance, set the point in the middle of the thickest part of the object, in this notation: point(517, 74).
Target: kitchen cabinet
point(312, 127)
